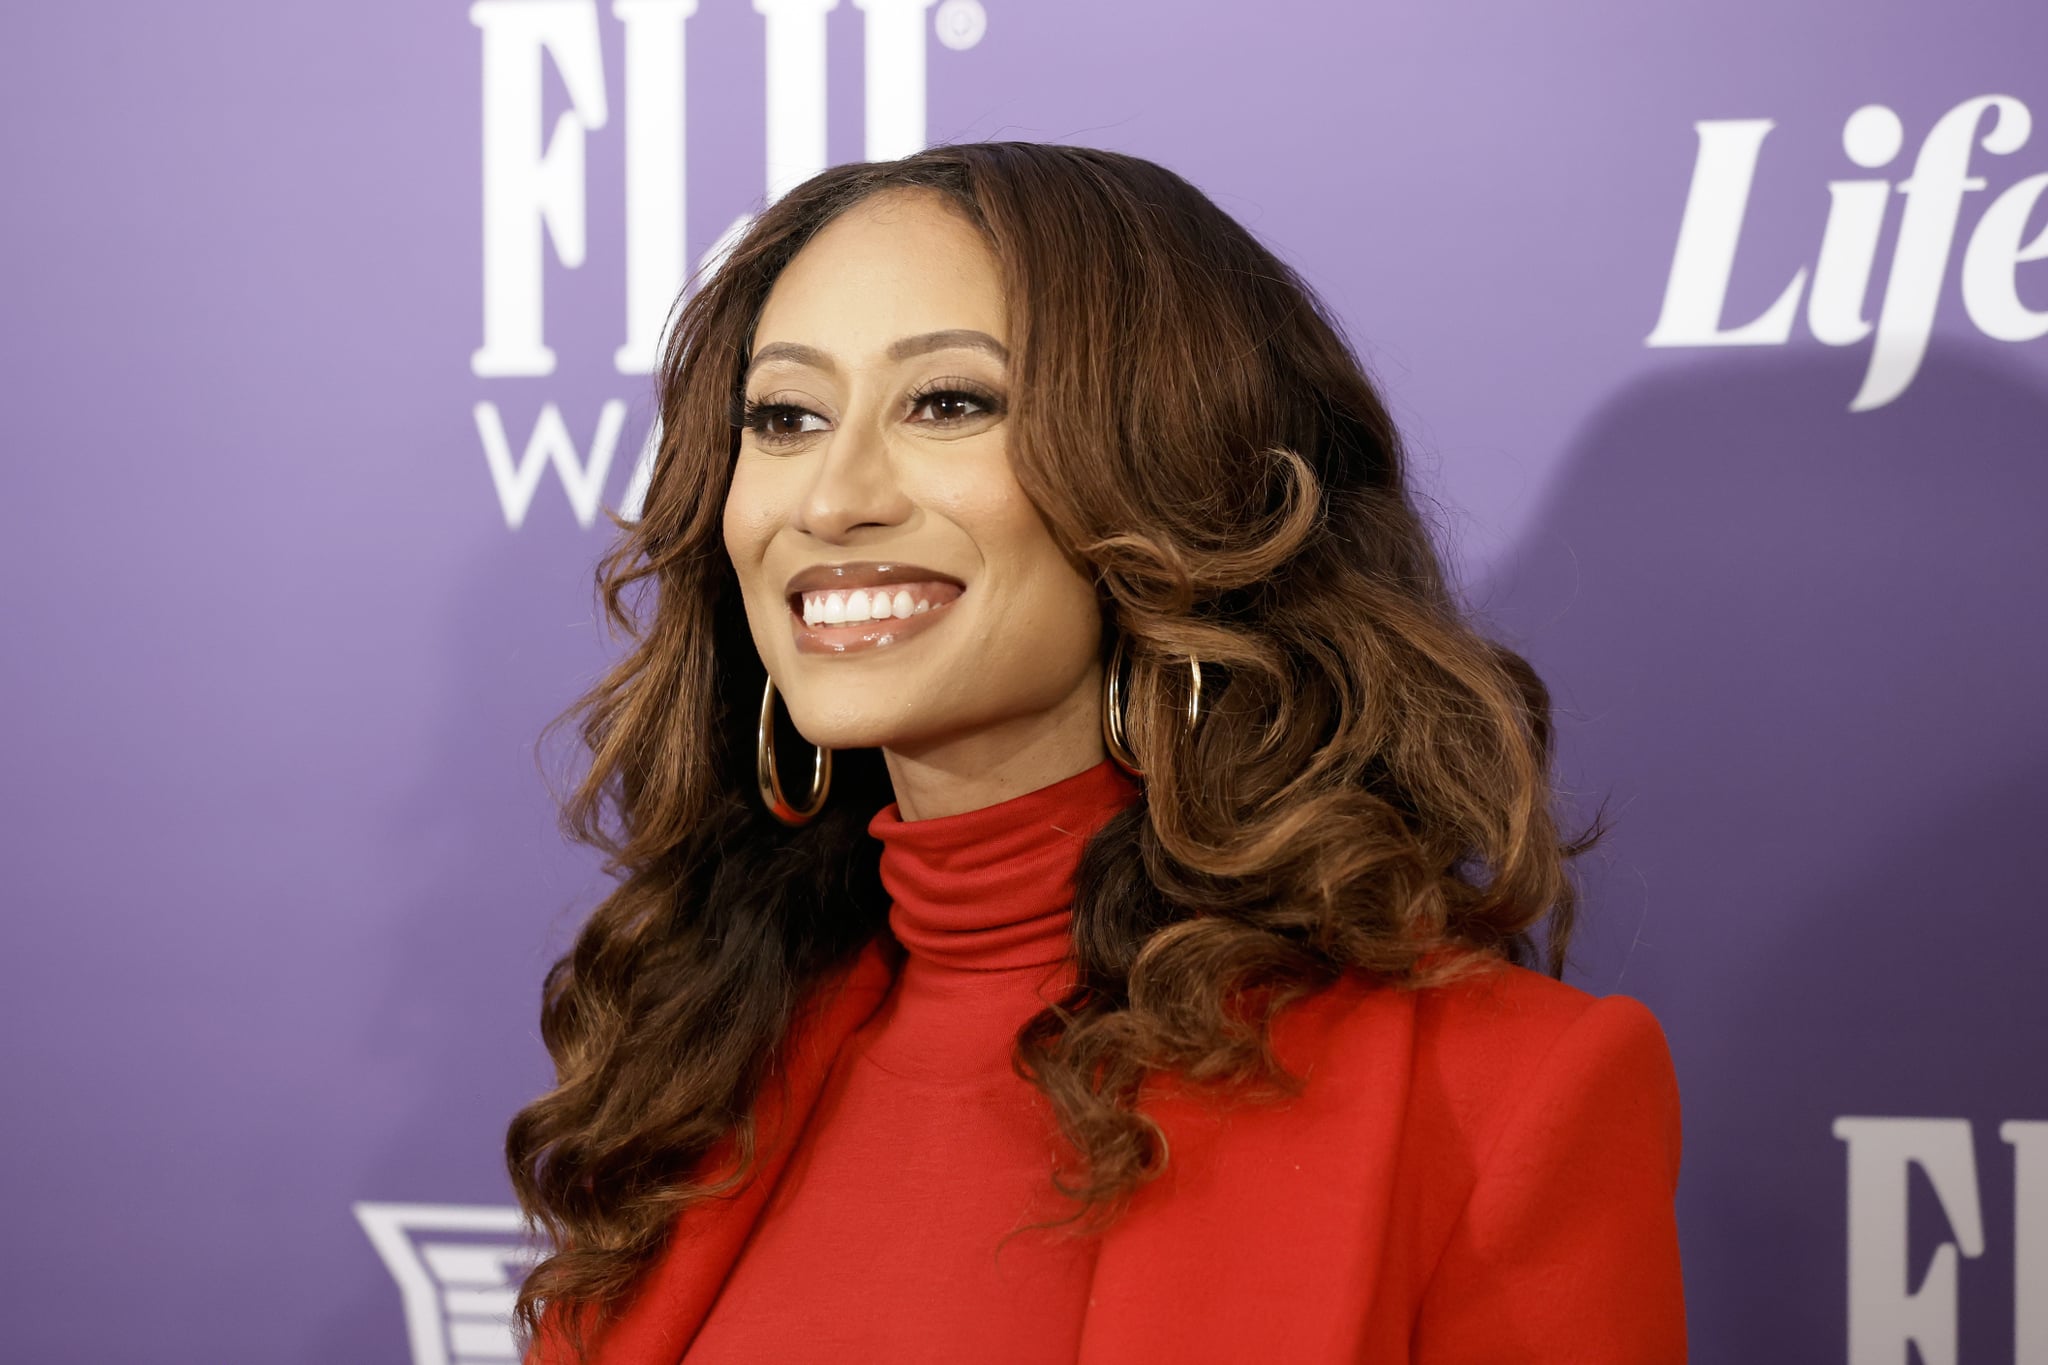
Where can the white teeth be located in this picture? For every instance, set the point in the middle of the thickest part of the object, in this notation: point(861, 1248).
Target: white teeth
point(860, 605)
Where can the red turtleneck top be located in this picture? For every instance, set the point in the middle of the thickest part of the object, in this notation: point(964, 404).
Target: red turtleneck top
point(880, 1240)
point(1475, 1173)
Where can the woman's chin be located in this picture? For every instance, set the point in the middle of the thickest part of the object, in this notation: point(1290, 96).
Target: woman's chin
point(840, 731)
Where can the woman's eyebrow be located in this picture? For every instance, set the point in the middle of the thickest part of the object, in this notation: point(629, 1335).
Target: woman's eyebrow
point(953, 336)
point(901, 349)
point(793, 351)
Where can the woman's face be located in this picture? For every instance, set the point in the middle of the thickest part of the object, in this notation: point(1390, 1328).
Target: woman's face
point(902, 590)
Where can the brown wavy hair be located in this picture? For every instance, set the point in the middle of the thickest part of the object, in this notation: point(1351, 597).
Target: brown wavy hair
point(1367, 789)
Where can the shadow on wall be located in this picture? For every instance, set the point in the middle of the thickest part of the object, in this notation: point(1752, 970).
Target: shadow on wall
point(1800, 652)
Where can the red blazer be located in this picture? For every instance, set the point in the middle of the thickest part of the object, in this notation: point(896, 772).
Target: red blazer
point(1475, 1174)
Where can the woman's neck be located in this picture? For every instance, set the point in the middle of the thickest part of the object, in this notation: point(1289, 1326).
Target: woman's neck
point(997, 762)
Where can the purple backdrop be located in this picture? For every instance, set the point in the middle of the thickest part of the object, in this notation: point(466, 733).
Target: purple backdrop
point(290, 595)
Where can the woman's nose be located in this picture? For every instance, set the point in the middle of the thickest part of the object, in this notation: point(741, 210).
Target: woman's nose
point(853, 485)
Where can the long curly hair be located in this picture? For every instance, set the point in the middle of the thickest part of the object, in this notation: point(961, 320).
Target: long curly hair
point(1367, 790)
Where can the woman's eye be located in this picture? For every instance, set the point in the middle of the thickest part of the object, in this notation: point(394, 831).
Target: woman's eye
point(780, 421)
point(952, 405)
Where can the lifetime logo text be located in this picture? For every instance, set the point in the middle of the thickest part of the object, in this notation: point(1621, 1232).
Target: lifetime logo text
point(1711, 230)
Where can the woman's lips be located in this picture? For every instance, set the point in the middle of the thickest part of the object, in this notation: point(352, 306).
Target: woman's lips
point(863, 573)
point(885, 627)
point(840, 608)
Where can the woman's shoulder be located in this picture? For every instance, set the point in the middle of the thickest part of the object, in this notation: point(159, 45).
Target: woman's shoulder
point(1501, 1008)
point(1483, 1043)
point(1510, 1031)
point(1491, 1008)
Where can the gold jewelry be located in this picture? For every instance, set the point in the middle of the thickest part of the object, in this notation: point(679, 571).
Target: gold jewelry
point(1113, 706)
point(770, 778)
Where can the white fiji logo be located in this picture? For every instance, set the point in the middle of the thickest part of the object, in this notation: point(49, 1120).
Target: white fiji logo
point(535, 188)
point(1873, 136)
point(458, 1268)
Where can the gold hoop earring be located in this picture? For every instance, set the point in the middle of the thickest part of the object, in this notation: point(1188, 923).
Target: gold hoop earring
point(770, 777)
point(1113, 707)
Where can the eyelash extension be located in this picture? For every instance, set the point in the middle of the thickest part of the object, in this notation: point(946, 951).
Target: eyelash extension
point(991, 404)
point(747, 415)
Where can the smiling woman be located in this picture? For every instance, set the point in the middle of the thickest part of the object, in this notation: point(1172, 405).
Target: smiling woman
point(873, 455)
point(1149, 972)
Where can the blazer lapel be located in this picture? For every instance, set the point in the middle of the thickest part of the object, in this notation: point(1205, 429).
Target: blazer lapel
point(664, 1315)
point(1262, 1240)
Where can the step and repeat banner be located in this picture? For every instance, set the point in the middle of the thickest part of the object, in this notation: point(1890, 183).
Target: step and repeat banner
point(1721, 335)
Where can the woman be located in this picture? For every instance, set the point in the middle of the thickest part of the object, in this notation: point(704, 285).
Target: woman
point(1139, 969)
